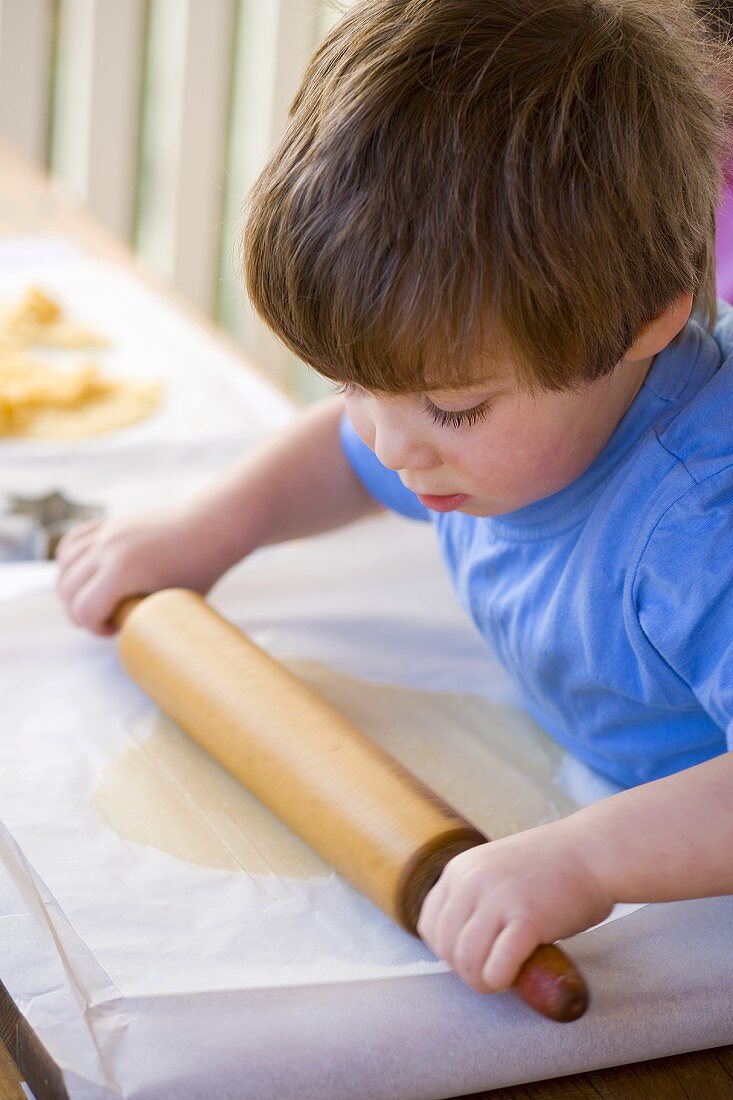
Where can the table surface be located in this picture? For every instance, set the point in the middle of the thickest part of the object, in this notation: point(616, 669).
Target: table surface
point(29, 204)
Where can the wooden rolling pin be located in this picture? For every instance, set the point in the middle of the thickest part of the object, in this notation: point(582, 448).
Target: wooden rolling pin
point(368, 817)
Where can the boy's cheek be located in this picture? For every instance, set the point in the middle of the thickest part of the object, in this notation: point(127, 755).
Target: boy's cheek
point(361, 421)
point(517, 469)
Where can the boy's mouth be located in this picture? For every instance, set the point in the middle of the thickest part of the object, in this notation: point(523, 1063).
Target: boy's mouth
point(443, 503)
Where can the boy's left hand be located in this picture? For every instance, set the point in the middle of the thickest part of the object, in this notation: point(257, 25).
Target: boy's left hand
point(494, 904)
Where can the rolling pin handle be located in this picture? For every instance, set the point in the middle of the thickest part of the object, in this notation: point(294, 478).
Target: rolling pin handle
point(551, 984)
point(548, 981)
point(168, 646)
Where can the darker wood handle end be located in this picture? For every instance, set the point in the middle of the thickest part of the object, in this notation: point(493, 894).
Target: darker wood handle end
point(550, 983)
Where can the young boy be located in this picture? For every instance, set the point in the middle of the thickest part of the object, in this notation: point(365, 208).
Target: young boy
point(492, 222)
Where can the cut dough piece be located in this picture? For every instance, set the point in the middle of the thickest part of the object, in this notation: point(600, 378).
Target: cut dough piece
point(40, 400)
point(490, 762)
point(36, 309)
point(38, 320)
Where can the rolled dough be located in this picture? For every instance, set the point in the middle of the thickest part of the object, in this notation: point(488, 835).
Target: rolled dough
point(492, 763)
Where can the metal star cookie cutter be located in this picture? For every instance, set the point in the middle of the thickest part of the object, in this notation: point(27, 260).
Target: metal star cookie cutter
point(32, 527)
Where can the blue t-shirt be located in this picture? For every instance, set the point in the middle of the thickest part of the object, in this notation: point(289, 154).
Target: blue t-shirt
point(610, 603)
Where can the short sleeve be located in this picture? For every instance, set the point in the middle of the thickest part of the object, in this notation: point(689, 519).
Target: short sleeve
point(383, 484)
point(684, 593)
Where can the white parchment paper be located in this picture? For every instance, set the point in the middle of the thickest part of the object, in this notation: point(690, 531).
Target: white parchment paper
point(146, 976)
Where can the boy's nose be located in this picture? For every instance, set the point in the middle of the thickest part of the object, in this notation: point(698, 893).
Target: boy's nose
point(398, 450)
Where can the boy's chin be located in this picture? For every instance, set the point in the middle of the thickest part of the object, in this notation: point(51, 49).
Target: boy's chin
point(484, 509)
point(480, 508)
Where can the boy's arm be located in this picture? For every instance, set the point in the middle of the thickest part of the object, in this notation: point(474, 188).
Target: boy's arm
point(666, 840)
point(298, 483)
point(663, 841)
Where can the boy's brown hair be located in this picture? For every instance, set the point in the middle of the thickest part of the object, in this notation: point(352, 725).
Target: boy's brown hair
point(539, 176)
point(719, 15)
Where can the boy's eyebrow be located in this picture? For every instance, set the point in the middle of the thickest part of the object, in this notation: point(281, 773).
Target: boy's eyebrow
point(487, 373)
point(482, 391)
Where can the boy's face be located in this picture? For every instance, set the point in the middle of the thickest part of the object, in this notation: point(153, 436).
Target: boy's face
point(491, 449)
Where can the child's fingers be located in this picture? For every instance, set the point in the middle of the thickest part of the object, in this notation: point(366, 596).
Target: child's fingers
point(74, 575)
point(73, 553)
point(73, 550)
point(449, 923)
point(430, 909)
point(472, 946)
point(512, 947)
point(94, 603)
point(453, 909)
point(67, 545)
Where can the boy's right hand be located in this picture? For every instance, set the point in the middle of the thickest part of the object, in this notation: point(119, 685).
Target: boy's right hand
point(103, 561)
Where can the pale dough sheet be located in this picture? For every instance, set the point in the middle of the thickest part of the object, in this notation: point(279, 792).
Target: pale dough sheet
point(487, 761)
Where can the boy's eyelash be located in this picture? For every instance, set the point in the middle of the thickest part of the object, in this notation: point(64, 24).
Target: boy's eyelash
point(458, 418)
point(443, 417)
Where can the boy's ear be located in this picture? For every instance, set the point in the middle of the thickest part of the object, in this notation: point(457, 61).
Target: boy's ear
point(662, 330)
